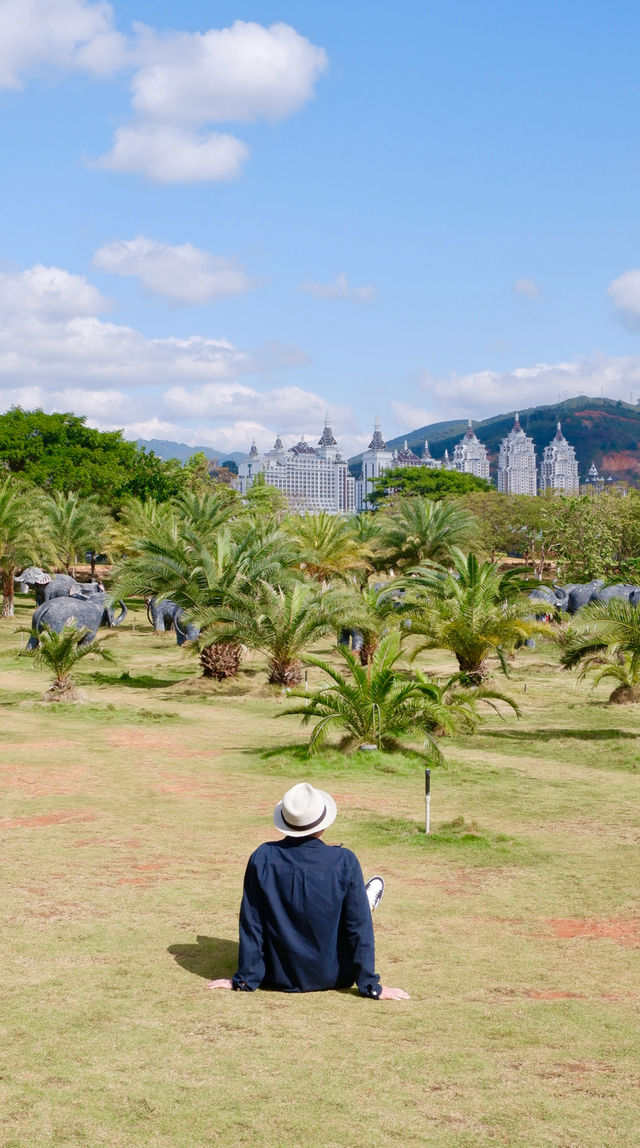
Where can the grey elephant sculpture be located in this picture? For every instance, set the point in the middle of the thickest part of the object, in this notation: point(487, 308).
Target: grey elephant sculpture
point(89, 613)
point(581, 594)
point(619, 590)
point(55, 614)
point(165, 614)
point(544, 594)
point(58, 586)
point(101, 598)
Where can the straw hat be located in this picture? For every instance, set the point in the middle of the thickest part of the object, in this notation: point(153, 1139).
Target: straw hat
point(304, 810)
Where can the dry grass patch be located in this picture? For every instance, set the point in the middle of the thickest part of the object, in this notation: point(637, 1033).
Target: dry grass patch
point(514, 926)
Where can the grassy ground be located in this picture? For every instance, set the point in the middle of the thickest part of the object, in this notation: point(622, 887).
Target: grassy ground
point(125, 825)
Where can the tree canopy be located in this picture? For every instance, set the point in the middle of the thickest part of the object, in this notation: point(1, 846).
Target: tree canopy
point(436, 484)
point(60, 452)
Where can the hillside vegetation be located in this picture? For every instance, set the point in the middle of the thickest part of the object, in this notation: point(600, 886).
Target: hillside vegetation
point(604, 431)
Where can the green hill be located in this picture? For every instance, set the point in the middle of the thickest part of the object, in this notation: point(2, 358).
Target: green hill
point(604, 431)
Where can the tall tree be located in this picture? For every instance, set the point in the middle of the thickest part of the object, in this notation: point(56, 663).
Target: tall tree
point(75, 526)
point(326, 545)
point(22, 536)
point(473, 610)
point(418, 530)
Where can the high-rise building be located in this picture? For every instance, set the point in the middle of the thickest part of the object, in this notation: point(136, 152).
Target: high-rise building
point(517, 462)
point(313, 478)
point(559, 467)
point(375, 460)
point(470, 455)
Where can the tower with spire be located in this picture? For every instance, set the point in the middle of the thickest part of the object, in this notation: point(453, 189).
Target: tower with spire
point(375, 460)
point(559, 467)
point(517, 462)
point(470, 455)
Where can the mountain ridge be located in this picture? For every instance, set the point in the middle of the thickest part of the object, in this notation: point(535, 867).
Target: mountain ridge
point(604, 431)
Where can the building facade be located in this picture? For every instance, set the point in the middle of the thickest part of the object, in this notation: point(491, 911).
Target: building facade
point(470, 455)
point(313, 478)
point(559, 466)
point(517, 462)
point(376, 459)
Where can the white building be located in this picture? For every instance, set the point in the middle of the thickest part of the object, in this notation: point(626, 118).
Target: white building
point(375, 460)
point(313, 478)
point(559, 466)
point(517, 462)
point(470, 455)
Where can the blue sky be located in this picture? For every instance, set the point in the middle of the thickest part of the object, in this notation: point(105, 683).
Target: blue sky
point(223, 219)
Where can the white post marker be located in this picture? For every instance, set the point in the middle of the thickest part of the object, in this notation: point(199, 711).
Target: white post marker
point(427, 798)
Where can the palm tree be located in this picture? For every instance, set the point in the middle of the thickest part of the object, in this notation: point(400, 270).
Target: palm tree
point(416, 530)
point(473, 610)
point(22, 538)
point(201, 574)
point(75, 525)
point(378, 705)
point(60, 653)
point(281, 621)
point(607, 632)
point(326, 545)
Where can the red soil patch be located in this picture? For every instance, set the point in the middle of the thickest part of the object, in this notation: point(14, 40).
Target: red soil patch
point(41, 819)
point(46, 746)
point(141, 739)
point(553, 995)
point(623, 932)
point(621, 460)
point(42, 783)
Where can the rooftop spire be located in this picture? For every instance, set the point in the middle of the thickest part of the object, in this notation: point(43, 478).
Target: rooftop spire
point(377, 442)
point(253, 453)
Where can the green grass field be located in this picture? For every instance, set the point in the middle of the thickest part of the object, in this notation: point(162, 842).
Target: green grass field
point(125, 826)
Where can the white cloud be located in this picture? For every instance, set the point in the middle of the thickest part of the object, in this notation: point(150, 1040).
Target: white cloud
point(49, 292)
point(288, 409)
point(245, 72)
point(166, 154)
point(183, 274)
point(56, 355)
point(186, 81)
point(625, 293)
point(181, 82)
point(486, 393)
point(56, 36)
point(527, 287)
point(49, 336)
point(412, 417)
point(339, 289)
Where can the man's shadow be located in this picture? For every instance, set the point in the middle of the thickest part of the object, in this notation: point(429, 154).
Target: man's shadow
point(210, 957)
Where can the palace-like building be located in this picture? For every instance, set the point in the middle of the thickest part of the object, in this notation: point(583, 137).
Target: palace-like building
point(470, 455)
point(559, 466)
point(517, 462)
point(313, 478)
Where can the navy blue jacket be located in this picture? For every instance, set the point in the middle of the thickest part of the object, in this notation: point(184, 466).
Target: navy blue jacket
point(305, 921)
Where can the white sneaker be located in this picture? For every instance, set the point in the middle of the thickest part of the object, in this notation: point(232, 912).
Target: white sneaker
point(374, 888)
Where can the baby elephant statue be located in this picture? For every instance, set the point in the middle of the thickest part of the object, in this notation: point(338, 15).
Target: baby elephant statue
point(60, 586)
point(165, 615)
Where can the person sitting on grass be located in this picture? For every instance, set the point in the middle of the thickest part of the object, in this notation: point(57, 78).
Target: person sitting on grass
point(305, 917)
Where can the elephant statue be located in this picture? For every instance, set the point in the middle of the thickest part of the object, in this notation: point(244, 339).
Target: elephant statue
point(582, 593)
point(56, 614)
point(544, 594)
point(60, 586)
point(353, 637)
point(89, 613)
point(164, 614)
point(619, 590)
point(101, 598)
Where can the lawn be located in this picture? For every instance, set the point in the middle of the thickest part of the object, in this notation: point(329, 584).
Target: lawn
point(515, 926)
